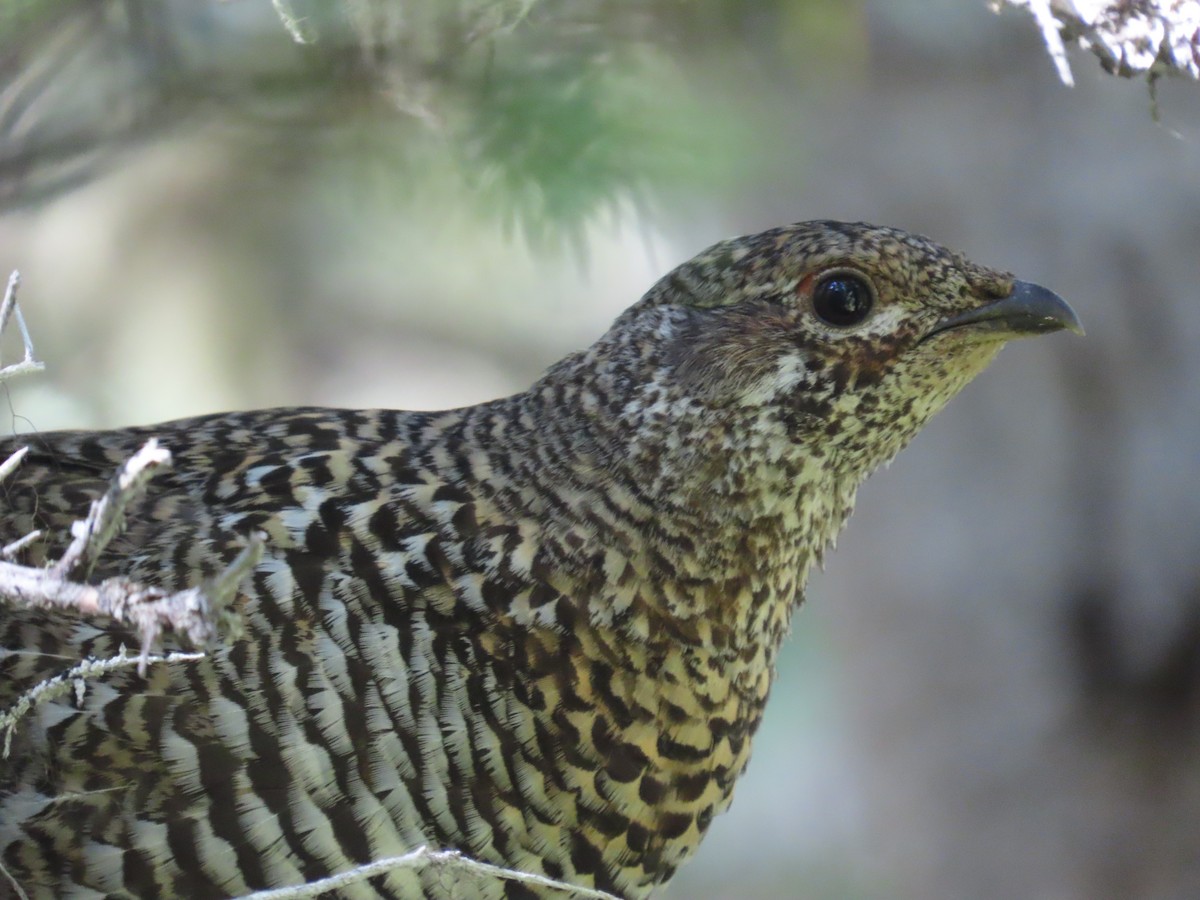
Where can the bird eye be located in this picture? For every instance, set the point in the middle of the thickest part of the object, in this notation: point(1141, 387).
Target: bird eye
point(842, 299)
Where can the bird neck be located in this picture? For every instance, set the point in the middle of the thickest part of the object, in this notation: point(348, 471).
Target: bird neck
point(671, 519)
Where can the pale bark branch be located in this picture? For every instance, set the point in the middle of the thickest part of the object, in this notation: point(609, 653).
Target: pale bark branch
point(10, 310)
point(198, 614)
point(451, 861)
point(10, 465)
point(11, 550)
point(75, 679)
point(296, 27)
point(20, 893)
point(1147, 39)
point(107, 516)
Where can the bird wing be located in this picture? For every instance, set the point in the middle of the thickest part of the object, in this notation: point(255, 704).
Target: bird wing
point(236, 750)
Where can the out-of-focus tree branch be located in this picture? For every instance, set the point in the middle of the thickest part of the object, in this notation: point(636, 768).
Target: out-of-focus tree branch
point(550, 114)
point(10, 311)
point(1146, 39)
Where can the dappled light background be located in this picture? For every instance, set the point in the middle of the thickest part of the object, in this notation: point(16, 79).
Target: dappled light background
point(994, 690)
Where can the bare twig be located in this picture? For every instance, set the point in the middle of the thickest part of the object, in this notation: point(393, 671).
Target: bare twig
point(424, 858)
point(107, 515)
point(10, 299)
point(296, 27)
point(10, 465)
point(8, 306)
point(10, 310)
point(1048, 25)
point(11, 550)
point(1146, 39)
point(8, 876)
point(75, 679)
point(198, 613)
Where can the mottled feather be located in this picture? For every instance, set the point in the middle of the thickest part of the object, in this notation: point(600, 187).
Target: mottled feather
point(540, 630)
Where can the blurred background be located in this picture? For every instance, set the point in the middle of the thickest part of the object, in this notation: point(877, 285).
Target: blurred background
point(994, 691)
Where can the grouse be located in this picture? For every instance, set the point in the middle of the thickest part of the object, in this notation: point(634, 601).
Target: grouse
point(540, 630)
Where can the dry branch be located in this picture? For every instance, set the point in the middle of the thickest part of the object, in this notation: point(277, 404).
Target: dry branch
point(75, 679)
point(107, 515)
point(198, 614)
point(1147, 39)
point(9, 309)
point(451, 861)
point(10, 465)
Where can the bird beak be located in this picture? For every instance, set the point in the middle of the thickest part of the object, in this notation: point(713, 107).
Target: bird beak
point(1030, 309)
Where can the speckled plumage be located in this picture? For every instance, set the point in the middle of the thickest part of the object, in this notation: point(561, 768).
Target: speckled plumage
point(541, 630)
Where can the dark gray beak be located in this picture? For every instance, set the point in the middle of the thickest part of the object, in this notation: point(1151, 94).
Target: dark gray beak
point(1030, 309)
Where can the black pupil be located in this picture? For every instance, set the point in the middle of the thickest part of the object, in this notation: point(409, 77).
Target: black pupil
point(842, 300)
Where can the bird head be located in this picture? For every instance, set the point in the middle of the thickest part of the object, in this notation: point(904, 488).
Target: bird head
point(846, 336)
